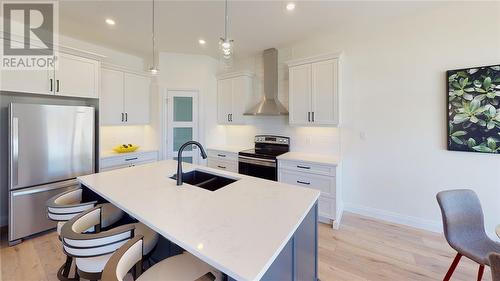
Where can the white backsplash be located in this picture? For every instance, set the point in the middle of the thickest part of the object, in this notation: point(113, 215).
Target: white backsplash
point(142, 135)
point(318, 140)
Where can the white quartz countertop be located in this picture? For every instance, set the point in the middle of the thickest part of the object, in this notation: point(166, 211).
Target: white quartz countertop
point(228, 148)
point(309, 157)
point(239, 229)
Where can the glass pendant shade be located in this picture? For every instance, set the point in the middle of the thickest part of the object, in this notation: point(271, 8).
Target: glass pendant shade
point(226, 48)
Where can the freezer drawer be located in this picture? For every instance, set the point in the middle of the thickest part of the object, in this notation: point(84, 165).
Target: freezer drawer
point(28, 214)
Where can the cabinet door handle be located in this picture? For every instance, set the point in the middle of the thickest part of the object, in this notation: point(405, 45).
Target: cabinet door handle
point(303, 182)
point(313, 116)
point(130, 159)
point(228, 118)
point(231, 117)
point(303, 167)
point(126, 117)
point(123, 117)
point(222, 167)
point(221, 155)
point(57, 83)
point(51, 84)
point(309, 116)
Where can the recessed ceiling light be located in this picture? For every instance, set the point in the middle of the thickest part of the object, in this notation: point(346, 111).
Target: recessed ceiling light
point(202, 42)
point(110, 22)
point(290, 6)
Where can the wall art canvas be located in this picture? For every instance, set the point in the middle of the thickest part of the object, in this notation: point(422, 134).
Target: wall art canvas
point(474, 109)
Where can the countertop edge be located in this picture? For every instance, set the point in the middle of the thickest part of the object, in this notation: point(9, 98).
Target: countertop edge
point(296, 156)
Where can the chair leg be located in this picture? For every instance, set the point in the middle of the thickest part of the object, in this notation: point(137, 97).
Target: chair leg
point(453, 265)
point(67, 266)
point(480, 272)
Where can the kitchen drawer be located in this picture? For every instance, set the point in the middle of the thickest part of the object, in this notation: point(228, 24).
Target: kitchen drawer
point(128, 160)
point(307, 167)
point(326, 207)
point(222, 155)
point(322, 183)
point(225, 165)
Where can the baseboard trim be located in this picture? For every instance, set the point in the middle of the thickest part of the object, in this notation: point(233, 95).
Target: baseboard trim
point(430, 225)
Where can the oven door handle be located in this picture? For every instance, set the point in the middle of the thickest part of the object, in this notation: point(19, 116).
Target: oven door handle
point(257, 161)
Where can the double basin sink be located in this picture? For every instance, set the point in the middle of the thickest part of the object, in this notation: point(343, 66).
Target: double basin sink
point(204, 180)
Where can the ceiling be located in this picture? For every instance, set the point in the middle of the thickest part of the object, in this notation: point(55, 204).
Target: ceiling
point(254, 25)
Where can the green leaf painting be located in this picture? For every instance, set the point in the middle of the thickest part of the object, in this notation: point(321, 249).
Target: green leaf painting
point(474, 109)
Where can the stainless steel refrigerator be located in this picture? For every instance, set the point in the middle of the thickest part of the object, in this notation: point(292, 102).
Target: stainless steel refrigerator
point(49, 145)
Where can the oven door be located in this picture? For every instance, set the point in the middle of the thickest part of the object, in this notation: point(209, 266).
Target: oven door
point(258, 167)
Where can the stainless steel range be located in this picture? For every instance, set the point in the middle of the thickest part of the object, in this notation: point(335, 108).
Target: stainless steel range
point(261, 161)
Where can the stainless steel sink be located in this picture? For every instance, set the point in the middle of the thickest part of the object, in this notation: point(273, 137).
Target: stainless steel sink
point(204, 180)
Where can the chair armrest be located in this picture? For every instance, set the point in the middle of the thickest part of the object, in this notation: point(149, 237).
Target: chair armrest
point(207, 277)
point(112, 271)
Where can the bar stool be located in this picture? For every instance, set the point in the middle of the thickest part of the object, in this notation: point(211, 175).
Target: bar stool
point(66, 205)
point(91, 248)
point(183, 267)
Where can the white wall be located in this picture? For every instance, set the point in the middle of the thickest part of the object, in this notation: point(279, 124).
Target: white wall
point(183, 71)
point(110, 55)
point(394, 93)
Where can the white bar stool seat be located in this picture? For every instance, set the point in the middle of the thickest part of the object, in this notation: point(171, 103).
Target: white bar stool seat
point(183, 267)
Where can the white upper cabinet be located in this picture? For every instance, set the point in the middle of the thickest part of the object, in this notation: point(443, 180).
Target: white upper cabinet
point(300, 94)
point(74, 77)
point(125, 98)
point(111, 97)
point(224, 100)
point(27, 81)
point(314, 90)
point(234, 95)
point(136, 98)
point(77, 77)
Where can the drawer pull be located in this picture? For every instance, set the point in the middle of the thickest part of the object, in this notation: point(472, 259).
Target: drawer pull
point(222, 167)
point(221, 155)
point(303, 182)
point(130, 159)
point(303, 167)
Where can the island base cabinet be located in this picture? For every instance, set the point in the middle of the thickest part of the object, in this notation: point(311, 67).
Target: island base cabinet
point(298, 261)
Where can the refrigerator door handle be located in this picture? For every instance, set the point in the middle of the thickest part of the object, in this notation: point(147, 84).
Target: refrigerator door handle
point(45, 187)
point(15, 151)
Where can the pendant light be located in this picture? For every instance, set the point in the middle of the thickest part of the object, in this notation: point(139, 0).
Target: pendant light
point(154, 67)
point(226, 45)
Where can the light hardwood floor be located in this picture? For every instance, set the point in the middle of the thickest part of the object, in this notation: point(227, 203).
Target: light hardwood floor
point(363, 249)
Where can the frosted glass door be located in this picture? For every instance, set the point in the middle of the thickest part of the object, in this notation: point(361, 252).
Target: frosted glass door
point(182, 124)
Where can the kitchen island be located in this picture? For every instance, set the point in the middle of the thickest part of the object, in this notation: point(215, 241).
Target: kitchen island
point(251, 229)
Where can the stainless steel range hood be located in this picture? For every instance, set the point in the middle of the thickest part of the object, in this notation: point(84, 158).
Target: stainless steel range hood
point(269, 105)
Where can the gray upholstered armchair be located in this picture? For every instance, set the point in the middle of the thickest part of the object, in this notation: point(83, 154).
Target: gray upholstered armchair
point(463, 225)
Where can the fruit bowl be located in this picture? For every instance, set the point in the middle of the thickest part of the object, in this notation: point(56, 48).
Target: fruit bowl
point(124, 148)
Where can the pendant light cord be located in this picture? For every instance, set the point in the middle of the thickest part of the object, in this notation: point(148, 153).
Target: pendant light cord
point(153, 35)
point(226, 17)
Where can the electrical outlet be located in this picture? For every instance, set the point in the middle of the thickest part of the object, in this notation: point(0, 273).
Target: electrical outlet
point(362, 135)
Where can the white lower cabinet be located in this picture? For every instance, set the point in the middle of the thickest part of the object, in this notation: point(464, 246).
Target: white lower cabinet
point(316, 176)
point(222, 160)
point(127, 160)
